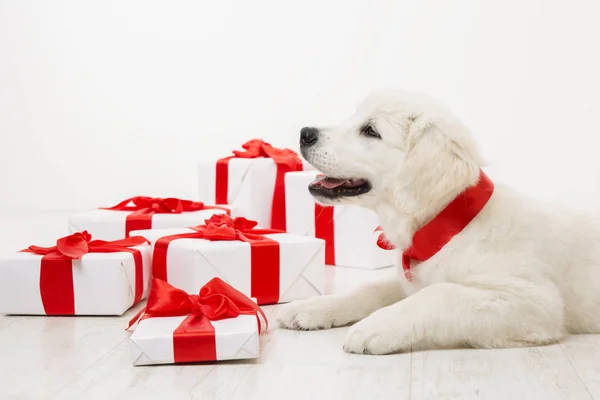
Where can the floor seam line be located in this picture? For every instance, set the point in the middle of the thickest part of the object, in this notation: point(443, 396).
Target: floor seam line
point(575, 370)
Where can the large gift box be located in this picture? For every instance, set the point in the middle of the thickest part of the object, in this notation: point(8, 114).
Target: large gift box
point(219, 323)
point(143, 213)
point(349, 231)
point(265, 264)
point(252, 180)
point(78, 276)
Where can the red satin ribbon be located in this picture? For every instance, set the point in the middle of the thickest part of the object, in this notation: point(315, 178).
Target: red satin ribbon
point(325, 229)
point(455, 217)
point(264, 252)
point(195, 340)
point(143, 208)
point(285, 159)
point(56, 269)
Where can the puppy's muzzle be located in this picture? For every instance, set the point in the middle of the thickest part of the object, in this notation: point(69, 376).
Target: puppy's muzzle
point(308, 137)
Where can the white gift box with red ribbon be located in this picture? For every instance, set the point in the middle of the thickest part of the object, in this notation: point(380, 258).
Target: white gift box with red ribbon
point(218, 323)
point(252, 180)
point(234, 339)
point(107, 224)
point(348, 230)
point(294, 270)
point(98, 283)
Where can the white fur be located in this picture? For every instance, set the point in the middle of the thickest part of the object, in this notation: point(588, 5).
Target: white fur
point(522, 273)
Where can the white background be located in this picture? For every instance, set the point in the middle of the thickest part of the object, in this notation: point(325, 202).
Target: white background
point(101, 100)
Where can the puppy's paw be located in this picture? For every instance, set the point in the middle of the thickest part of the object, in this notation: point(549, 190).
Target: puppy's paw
point(375, 335)
point(310, 314)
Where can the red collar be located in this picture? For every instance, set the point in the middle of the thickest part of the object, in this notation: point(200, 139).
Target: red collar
point(430, 239)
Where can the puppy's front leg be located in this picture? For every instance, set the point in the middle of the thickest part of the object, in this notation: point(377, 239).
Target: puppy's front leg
point(450, 315)
point(325, 312)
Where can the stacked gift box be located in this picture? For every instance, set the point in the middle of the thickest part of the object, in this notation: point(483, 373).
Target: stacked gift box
point(254, 237)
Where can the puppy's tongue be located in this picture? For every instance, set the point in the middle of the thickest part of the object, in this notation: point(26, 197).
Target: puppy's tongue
point(331, 183)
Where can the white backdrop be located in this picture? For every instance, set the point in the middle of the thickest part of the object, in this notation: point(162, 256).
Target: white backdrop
point(100, 100)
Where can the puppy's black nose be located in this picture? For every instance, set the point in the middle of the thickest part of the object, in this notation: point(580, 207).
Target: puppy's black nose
point(308, 136)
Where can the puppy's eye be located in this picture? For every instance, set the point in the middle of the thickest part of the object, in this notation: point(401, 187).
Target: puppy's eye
point(369, 131)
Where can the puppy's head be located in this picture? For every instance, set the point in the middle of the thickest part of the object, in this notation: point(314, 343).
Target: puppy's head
point(398, 146)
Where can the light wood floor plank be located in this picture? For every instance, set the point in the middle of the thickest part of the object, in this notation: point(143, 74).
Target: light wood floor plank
point(542, 373)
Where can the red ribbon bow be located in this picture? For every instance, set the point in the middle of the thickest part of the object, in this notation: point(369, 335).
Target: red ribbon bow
point(194, 339)
point(169, 205)
point(223, 227)
point(143, 208)
point(80, 243)
point(56, 270)
point(264, 252)
point(286, 160)
point(256, 148)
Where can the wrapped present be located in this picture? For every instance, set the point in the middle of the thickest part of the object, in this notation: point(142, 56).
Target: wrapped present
point(219, 323)
point(143, 213)
point(78, 276)
point(252, 180)
point(269, 265)
point(348, 230)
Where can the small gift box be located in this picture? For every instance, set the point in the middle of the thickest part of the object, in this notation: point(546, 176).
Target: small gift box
point(219, 323)
point(143, 213)
point(251, 180)
point(78, 276)
point(348, 231)
point(266, 264)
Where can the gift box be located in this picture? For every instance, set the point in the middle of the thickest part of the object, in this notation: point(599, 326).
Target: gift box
point(349, 231)
point(265, 264)
point(78, 276)
point(252, 180)
point(143, 213)
point(219, 323)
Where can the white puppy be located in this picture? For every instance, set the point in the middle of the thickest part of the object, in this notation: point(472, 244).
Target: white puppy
point(521, 273)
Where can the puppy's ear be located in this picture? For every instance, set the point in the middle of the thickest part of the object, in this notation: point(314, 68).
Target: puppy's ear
point(463, 145)
point(414, 130)
point(455, 137)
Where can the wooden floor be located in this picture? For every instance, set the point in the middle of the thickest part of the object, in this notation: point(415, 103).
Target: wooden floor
point(87, 358)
